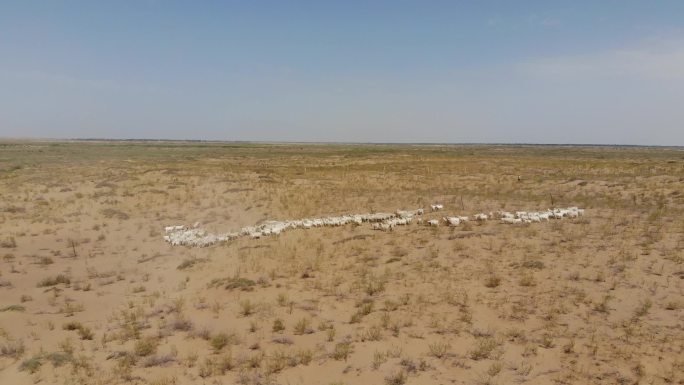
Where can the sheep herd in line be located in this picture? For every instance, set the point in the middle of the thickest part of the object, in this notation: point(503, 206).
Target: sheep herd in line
point(197, 237)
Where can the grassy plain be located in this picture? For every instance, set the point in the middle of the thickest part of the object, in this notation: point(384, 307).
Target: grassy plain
point(90, 293)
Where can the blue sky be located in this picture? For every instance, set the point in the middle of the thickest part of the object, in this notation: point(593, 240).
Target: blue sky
point(362, 71)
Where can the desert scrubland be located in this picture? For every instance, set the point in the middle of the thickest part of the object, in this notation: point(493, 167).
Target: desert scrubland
point(90, 293)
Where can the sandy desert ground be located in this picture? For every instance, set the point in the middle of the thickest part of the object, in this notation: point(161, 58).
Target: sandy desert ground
point(91, 294)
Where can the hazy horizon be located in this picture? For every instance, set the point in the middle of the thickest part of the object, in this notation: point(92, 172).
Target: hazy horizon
point(285, 142)
point(383, 72)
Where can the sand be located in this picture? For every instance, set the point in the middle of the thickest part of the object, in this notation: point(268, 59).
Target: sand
point(90, 293)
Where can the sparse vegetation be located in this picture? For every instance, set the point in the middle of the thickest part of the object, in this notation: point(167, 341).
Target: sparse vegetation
point(278, 325)
point(8, 242)
point(12, 349)
point(342, 351)
point(302, 327)
point(396, 378)
point(114, 213)
point(247, 307)
point(32, 364)
point(233, 283)
point(439, 349)
point(643, 308)
point(13, 308)
point(492, 281)
point(83, 332)
point(146, 346)
point(190, 262)
point(53, 281)
point(220, 341)
point(484, 348)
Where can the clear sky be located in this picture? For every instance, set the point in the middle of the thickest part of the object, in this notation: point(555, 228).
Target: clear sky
point(361, 71)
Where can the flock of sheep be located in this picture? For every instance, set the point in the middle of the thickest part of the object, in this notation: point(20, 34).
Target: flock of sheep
point(197, 237)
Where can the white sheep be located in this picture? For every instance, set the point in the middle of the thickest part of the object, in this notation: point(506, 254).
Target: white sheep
point(195, 236)
point(382, 226)
point(436, 207)
point(505, 214)
point(169, 229)
point(452, 221)
point(409, 213)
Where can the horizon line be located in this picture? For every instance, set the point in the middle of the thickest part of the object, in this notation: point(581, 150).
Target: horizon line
point(280, 142)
